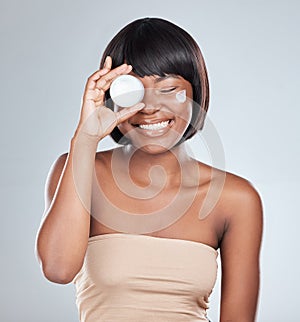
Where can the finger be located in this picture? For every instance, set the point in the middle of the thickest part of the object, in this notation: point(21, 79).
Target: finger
point(91, 82)
point(99, 73)
point(100, 97)
point(126, 113)
point(108, 62)
point(105, 81)
point(95, 95)
point(96, 76)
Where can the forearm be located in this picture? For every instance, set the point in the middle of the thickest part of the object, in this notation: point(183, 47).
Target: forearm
point(63, 236)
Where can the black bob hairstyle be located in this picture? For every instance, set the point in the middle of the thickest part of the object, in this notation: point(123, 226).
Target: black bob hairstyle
point(154, 46)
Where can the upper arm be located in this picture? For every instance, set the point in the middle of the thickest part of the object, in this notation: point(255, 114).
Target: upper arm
point(53, 179)
point(240, 252)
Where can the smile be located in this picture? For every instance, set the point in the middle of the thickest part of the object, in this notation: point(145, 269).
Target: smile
point(154, 126)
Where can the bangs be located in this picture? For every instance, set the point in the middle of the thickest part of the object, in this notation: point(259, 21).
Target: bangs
point(153, 50)
point(157, 55)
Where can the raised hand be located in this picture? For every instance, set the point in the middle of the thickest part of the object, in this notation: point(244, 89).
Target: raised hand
point(96, 120)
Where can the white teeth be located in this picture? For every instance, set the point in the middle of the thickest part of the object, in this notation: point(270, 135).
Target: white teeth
point(155, 126)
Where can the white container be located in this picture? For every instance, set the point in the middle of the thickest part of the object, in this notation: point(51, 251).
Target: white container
point(126, 91)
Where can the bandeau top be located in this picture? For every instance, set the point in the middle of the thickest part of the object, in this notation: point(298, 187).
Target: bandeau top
point(134, 278)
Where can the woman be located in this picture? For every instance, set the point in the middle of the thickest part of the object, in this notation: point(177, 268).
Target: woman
point(132, 227)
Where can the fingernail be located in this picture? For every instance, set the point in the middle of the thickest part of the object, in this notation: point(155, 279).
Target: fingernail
point(106, 61)
point(139, 106)
point(123, 67)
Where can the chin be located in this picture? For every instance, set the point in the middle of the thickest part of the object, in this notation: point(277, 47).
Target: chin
point(154, 149)
point(154, 145)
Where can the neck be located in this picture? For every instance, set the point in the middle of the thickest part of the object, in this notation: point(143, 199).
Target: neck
point(146, 167)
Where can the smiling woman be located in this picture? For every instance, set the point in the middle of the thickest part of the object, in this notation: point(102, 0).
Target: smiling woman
point(172, 52)
point(125, 225)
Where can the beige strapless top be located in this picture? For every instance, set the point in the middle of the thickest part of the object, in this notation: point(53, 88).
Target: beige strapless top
point(140, 278)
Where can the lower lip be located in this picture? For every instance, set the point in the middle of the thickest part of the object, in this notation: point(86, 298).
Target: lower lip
point(154, 133)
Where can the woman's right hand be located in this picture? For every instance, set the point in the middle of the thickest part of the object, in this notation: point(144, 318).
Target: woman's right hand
point(96, 120)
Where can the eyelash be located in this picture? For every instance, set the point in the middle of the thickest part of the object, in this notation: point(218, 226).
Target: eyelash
point(169, 90)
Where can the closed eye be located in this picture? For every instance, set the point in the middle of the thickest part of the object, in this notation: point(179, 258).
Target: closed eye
point(167, 90)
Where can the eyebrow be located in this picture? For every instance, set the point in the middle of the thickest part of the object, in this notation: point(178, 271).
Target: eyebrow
point(160, 79)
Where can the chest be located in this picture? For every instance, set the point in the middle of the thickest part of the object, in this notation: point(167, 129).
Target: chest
point(120, 204)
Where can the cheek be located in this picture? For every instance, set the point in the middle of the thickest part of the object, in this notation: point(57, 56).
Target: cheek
point(184, 112)
point(181, 96)
point(184, 104)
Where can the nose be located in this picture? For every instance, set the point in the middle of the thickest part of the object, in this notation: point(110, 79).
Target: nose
point(150, 109)
point(151, 102)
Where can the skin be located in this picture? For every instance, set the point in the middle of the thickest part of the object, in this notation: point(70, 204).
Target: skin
point(234, 225)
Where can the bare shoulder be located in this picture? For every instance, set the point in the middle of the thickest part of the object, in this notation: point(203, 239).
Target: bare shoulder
point(60, 161)
point(237, 205)
point(56, 170)
point(238, 195)
point(236, 191)
point(53, 177)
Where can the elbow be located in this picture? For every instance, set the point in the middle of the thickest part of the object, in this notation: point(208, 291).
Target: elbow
point(55, 270)
point(57, 274)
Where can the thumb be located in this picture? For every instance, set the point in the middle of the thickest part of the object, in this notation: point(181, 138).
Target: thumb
point(127, 112)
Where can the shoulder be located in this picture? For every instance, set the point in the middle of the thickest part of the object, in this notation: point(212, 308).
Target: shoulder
point(53, 178)
point(242, 210)
point(238, 195)
point(228, 195)
point(57, 167)
point(232, 189)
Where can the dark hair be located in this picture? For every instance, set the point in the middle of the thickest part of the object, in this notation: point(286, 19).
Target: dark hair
point(154, 46)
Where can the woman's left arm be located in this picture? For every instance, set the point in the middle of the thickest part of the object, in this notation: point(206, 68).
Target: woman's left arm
point(240, 252)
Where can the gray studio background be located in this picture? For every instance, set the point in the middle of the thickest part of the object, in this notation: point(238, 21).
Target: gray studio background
point(49, 48)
